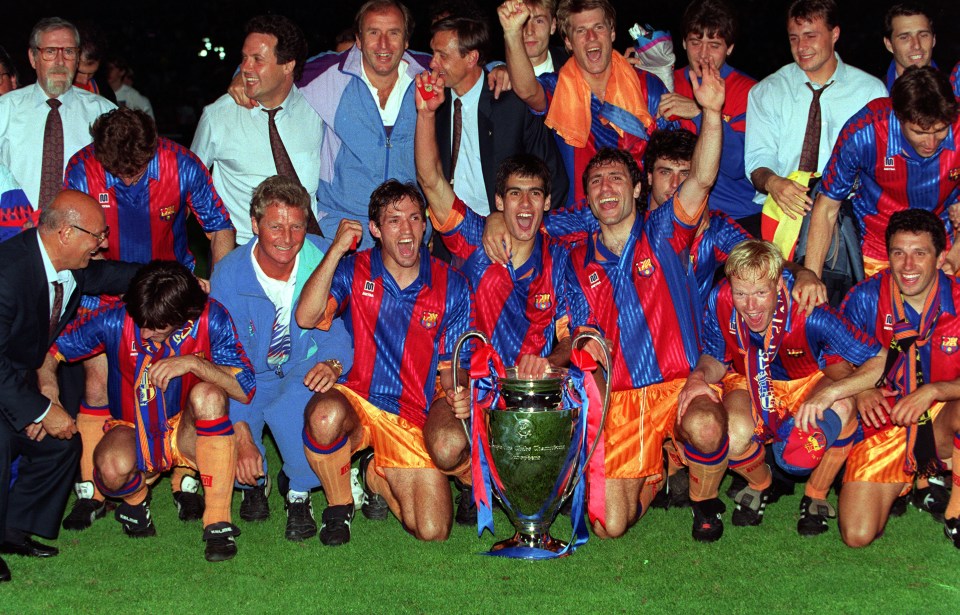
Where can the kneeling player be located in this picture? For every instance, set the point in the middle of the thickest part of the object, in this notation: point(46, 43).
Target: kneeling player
point(174, 361)
point(523, 307)
point(781, 357)
point(912, 309)
point(404, 310)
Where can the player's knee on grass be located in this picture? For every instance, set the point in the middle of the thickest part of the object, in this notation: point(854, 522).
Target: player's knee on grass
point(858, 531)
point(622, 506)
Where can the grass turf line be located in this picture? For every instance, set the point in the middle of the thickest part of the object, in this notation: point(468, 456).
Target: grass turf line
point(656, 567)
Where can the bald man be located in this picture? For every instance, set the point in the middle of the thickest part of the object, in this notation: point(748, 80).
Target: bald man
point(43, 273)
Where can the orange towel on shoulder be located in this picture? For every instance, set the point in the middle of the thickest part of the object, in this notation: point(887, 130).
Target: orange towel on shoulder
point(569, 113)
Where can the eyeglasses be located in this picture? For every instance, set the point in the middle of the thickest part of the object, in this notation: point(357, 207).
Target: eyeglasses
point(100, 237)
point(50, 53)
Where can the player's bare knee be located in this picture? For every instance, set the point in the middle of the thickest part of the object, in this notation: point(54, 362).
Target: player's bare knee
point(705, 424)
point(208, 401)
point(430, 528)
point(115, 468)
point(857, 535)
point(447, 448)
point(324, 421)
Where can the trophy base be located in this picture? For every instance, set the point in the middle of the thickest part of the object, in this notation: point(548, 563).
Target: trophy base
point(529, 546)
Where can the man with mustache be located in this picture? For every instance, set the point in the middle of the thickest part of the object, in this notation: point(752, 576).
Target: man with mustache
point(42, 125)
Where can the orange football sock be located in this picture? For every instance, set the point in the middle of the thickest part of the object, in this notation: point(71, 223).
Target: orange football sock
point(752, 467)
point(90, 427)
point(332, 466)
point(217, 463)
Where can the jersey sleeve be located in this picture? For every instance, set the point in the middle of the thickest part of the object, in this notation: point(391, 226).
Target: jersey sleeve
point(201, 196)
point(459, 316)
point(16, 212)
point(848, 156)
point(828, 334)
point(226, 349)
point(462, 232)
point(87, 336)
point(728, 234)
point(859, 307)
point(713, 342)
point(572, 223)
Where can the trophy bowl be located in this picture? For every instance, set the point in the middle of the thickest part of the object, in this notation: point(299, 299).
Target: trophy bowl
point(530, 441)
point(536, 441)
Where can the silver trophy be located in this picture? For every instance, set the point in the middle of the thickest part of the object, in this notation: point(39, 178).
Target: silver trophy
point(533, 449)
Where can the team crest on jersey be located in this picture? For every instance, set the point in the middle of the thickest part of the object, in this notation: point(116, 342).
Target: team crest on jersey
point(104, 198)
point(368, 288)
point(815, 442)
point(794, 353)
point(954, 174)
point(428, 320)
point(646, 268)
point(727, 118)
point(948, 344)
point(543, 301)
point(167, 213)
point(594, 279)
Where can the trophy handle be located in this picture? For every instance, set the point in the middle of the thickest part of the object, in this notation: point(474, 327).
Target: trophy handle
point(587, 334)
point(456, 365)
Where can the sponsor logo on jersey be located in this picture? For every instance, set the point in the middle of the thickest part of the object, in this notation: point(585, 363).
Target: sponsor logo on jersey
point(594, 279)
point(104, 198)
point(368, 287)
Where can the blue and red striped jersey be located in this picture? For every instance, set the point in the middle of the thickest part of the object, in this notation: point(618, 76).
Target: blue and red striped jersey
point(519, 309)
point(869, 306)
point(148, 219)
point(399, 335)
point(711, 249)
point(873, 159)
point(732, 193)
point(602, 134)
point(809, 344)
point(711, 245)
point(644, 301)
point(955, 80)
point(112, 332)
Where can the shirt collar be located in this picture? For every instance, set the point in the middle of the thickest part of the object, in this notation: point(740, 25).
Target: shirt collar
point(472, 96)
point(40, 97)
point(258, 111)
point(379, 270)
point(48, 269)
point(153, 172)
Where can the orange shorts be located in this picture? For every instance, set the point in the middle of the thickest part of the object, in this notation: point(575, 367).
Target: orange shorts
point(881, 457)
point(638, 422)
point(872, 266)
point(396, 442)
point(788, 394)
point(174, 422)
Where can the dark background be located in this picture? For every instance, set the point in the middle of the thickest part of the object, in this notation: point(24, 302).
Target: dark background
point(161, 40)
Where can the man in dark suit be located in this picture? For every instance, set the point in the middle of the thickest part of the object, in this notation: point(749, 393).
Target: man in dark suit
point(43, 273)
point(490, 130)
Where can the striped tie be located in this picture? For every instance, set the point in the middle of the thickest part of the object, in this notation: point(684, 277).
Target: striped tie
point(279, 351)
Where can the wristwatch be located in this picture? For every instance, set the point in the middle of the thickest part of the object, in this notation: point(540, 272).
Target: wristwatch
point(335, 365)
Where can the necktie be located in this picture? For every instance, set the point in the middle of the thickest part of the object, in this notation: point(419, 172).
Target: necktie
point(280, 156)
point(457, 129)
point(279, 351)
point(810, 153)
point(282, 160)
point(56, 309)
point(51, 170)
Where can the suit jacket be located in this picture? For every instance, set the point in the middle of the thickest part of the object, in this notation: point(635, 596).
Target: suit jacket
point(505, 127)
point(25, 320)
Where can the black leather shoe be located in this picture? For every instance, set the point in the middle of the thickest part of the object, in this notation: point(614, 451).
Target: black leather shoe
point(4, 571)
point(29, 547)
